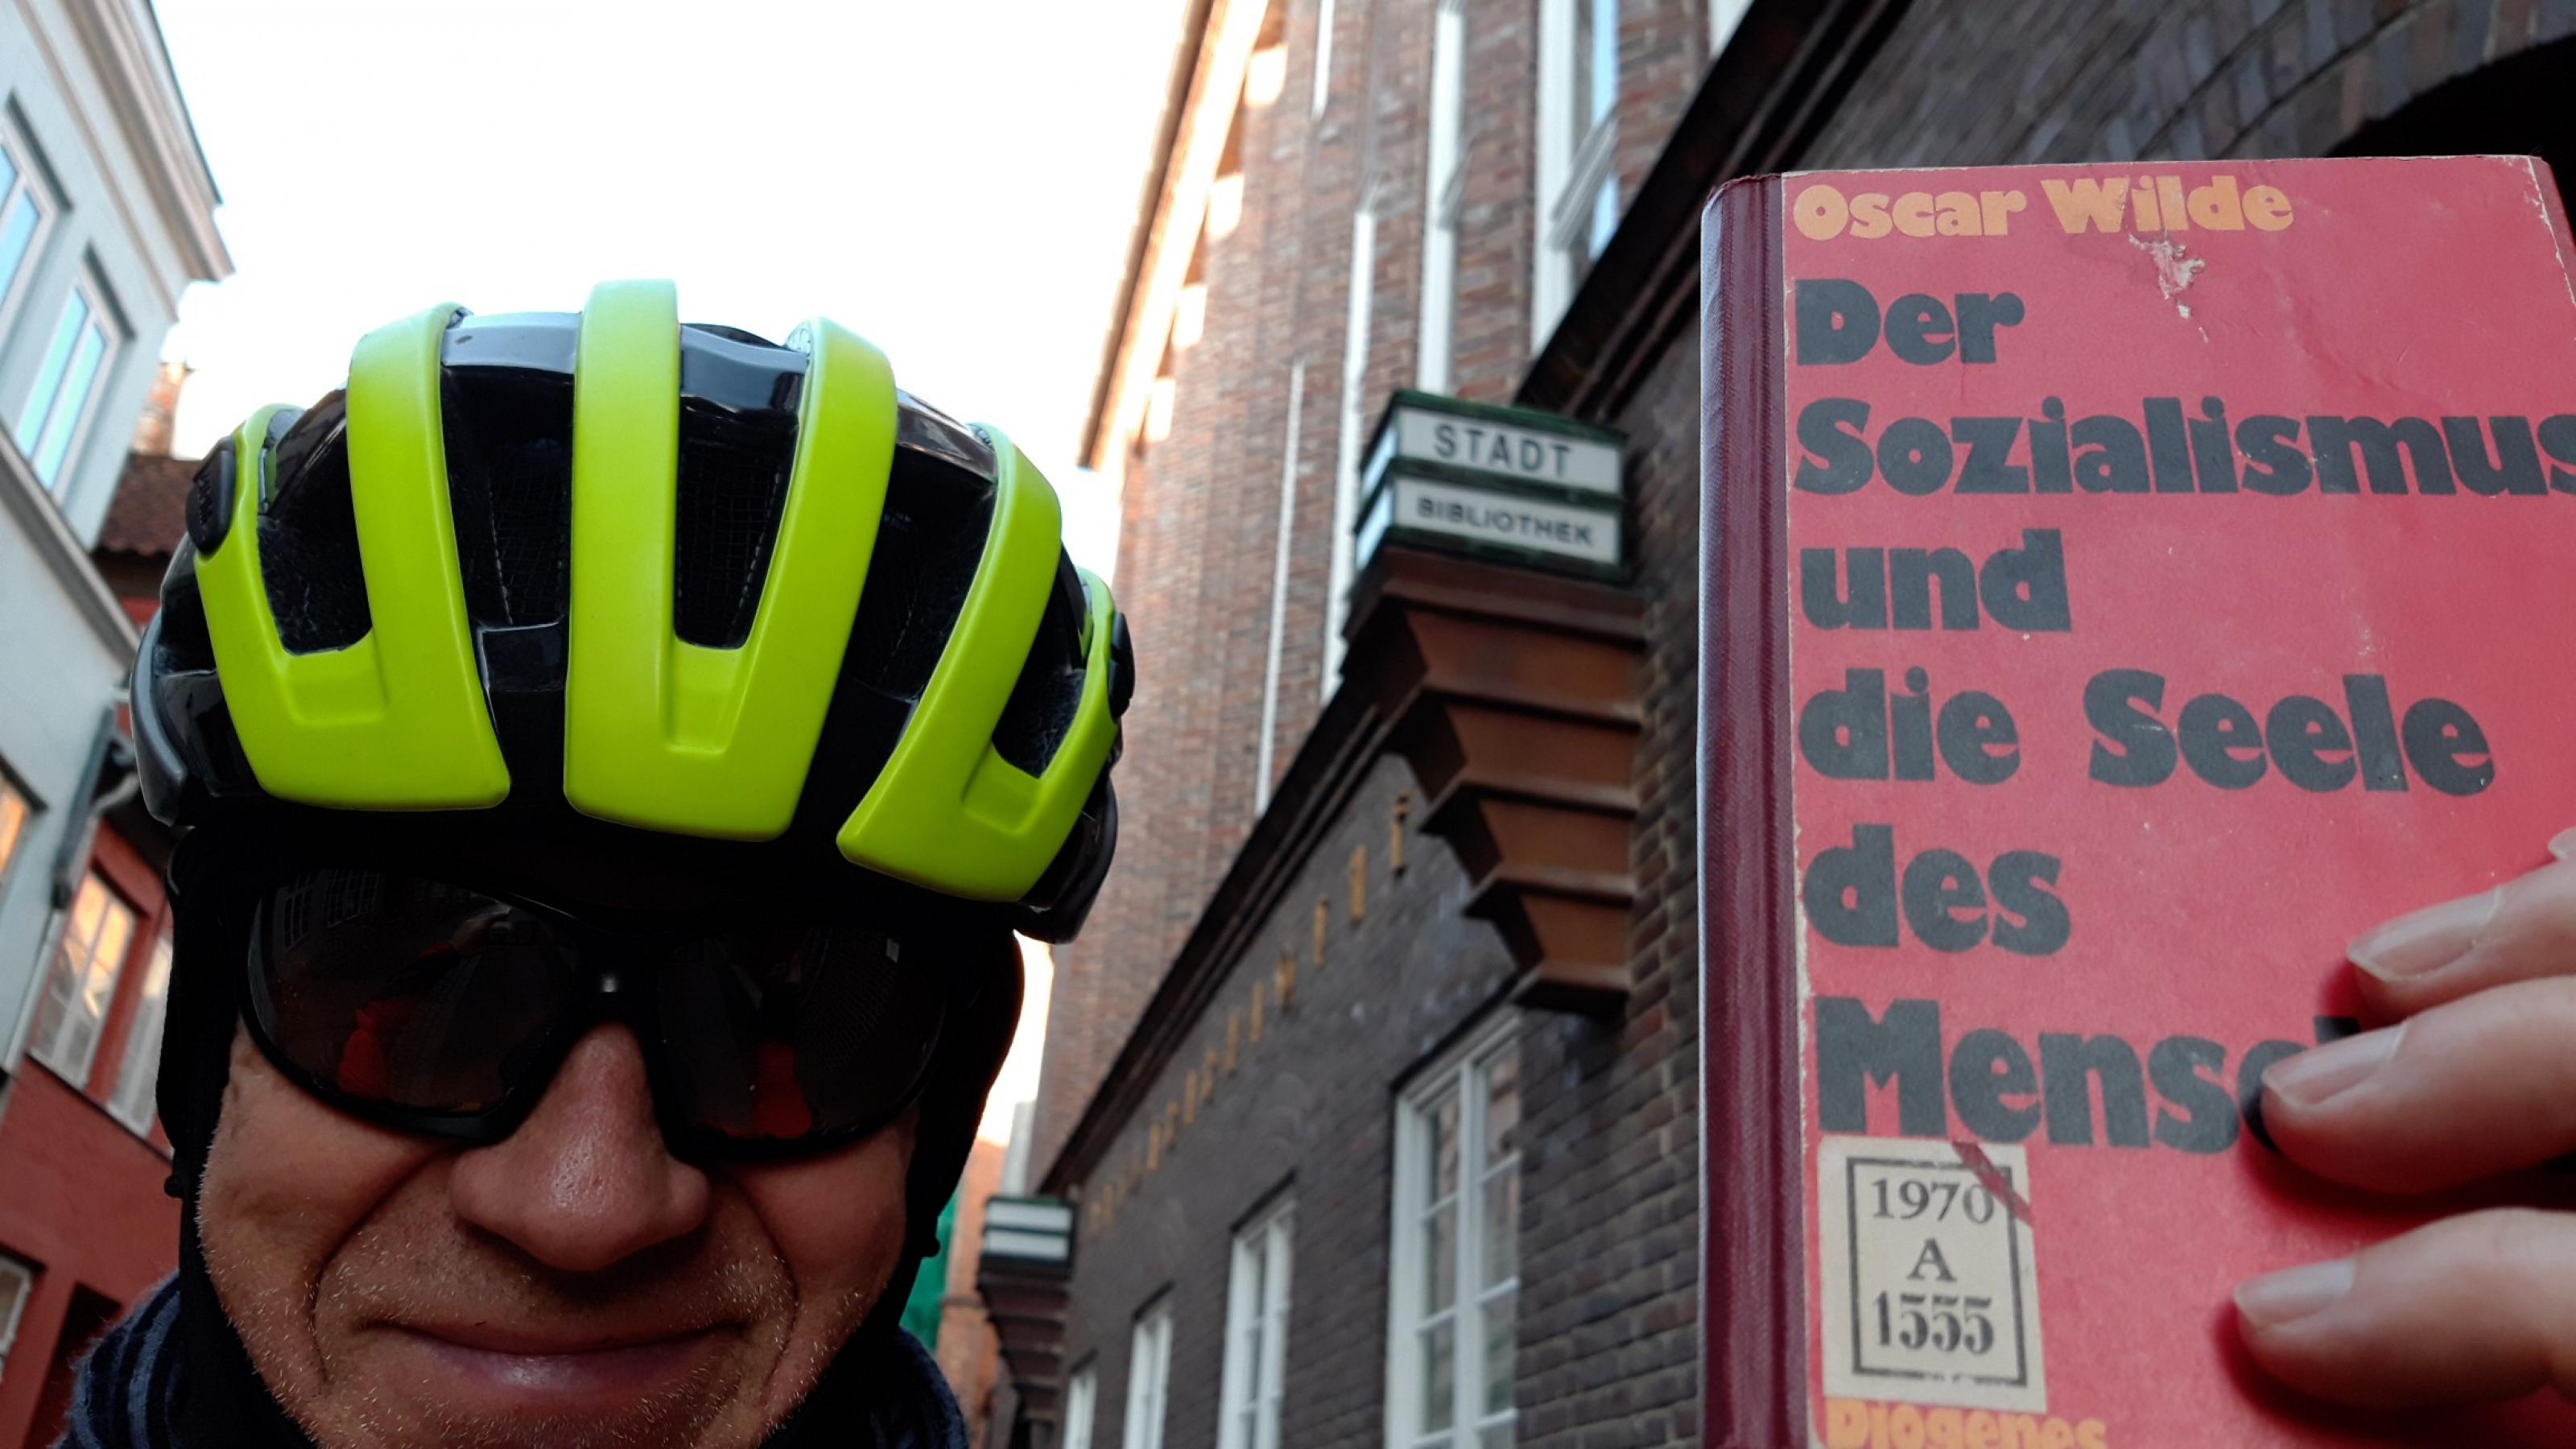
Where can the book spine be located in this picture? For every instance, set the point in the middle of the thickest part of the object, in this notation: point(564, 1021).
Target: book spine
point(1752, 1216)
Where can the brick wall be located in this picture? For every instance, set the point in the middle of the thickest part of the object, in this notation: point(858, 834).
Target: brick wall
point(1200, 530)
point(1609, 1311)
point(1307, 1108)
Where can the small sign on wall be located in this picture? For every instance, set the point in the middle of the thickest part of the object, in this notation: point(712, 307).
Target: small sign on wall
point(1511, 484)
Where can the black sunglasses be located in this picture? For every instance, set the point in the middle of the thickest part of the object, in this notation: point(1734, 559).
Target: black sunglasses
point(444, 1009)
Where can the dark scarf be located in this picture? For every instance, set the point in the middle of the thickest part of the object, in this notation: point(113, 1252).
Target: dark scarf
point(147, 1385)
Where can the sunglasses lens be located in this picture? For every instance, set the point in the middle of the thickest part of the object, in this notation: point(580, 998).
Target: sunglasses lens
point(405, 992)
point(775, 1035)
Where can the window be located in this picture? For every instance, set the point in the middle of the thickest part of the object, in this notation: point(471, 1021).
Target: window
point(14, 814)
point(17, 1285)
point(1078, 1399)
point(1578, 143)
point(23, 208)
point(74, 360)
point(1446, 180)
point(1723, 17)
point(1256, 1333)
point(1149, 1373)
point(141, 1069)
point(1457, 1252)
point(81, 982)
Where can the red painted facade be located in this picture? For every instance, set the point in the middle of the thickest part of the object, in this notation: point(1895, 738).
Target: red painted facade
point(81, 1197)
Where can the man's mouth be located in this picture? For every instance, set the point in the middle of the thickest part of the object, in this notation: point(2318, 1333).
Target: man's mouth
point(506, 1369)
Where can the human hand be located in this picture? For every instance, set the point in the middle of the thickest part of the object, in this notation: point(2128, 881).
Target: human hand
point(2477, 1076)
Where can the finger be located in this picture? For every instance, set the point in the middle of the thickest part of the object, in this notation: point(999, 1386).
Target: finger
point(2475, 1307)
point(2467, 1089)
point(2522, 929)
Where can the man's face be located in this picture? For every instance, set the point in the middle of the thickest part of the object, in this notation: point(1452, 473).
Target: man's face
point(571, 1285)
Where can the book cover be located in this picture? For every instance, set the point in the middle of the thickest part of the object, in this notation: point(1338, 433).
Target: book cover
point(2121, 587)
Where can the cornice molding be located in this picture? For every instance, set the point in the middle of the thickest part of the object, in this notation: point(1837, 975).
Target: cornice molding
point(143, 93)
point(1207, 84)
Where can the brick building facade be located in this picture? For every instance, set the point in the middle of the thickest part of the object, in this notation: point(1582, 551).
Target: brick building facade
point(1311, 948)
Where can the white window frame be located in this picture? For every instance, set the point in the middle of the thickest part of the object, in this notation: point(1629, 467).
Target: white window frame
point(1149, 1377)
point(140, 1071)
point(40, 418)
point(1465, 1072)
point(1444, 192)
point(1571, 174)
point(1080, 1398)
point(1256, 1331)
point(13, 1301)
point(71, 988)
point(28, 178)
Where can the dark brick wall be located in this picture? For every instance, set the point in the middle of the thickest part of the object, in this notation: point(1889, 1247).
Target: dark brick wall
point(1309, 1107)
point(2116, 82)
point(1609, 1312)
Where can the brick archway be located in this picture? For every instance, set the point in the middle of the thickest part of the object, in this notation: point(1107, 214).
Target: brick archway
point(2518, 104)
point(2230, 78)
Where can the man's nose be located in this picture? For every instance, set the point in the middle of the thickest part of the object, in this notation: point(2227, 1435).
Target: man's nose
point(586, 1182)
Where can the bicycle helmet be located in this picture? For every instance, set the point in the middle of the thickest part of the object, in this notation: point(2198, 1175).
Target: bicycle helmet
point(671, 577)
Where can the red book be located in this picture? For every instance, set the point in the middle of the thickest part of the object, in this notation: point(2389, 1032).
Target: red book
point(2122, 586)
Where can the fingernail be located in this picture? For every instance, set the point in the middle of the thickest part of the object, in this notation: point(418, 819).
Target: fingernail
point(2293, 1293)
point(2564, 845)
point(2425, 941)
point(2308, 1079)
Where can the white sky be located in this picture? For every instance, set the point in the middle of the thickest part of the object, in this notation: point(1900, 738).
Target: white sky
point(957, 181)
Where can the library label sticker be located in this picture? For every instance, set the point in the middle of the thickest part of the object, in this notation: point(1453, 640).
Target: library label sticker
point(1930, 1294)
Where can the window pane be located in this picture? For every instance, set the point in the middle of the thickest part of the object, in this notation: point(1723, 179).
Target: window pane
point(1579, 119)
point(63, 973)
point(1439, 1375)
point(141, 1069)
point(1439, 1260)
point(17, 228)
point(13, 825)
point(49, 375)
point(1605, 215)
point(1499, 1349)
point(1601, 55)
point(82, 977)
point(1077, 1410)
point(1444, 1147)
point(67, 407)
point(17, 1281)
point(1496, 1436)
point(1502, 1226)
point(114, 934)
point(88, 909)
